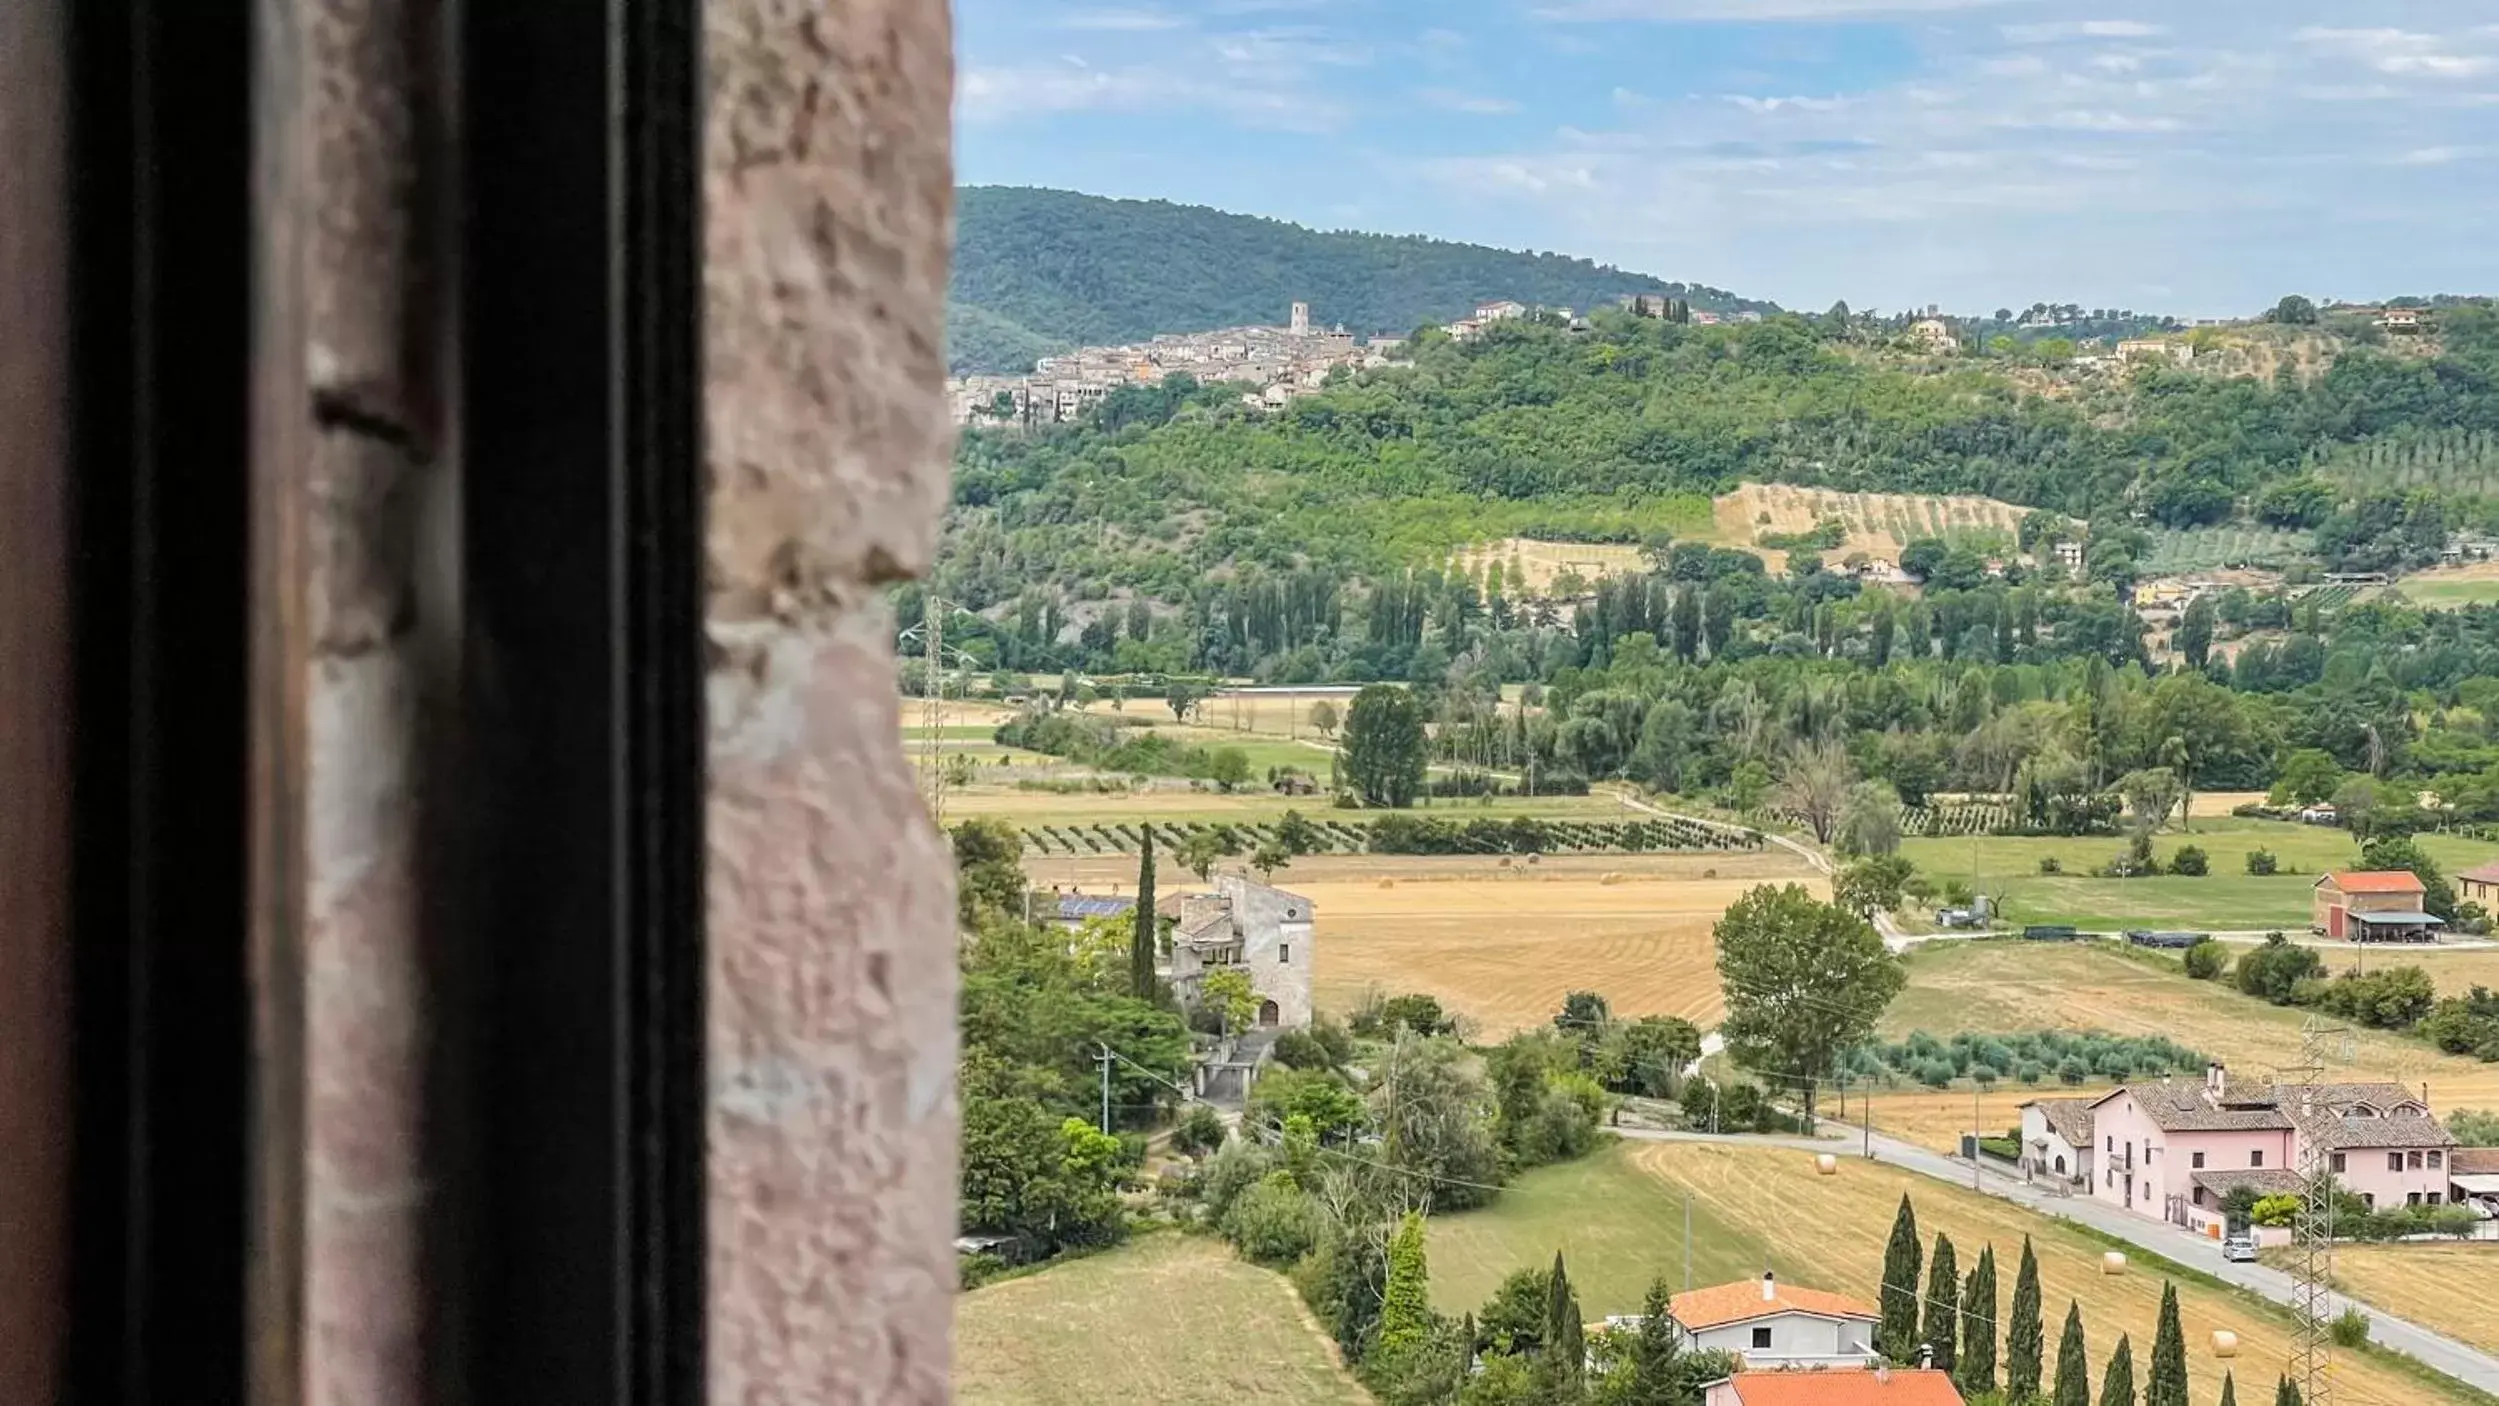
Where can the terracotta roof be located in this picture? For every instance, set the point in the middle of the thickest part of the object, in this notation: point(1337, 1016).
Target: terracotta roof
point(2268, 1181)
point(2480, 873)
point(1722, 1304)
point(2180, 1106)
point(2376, 881)
point(2406, 1130)
point(2068, 1118)
point(1898, 1387)
point(2474, 1161)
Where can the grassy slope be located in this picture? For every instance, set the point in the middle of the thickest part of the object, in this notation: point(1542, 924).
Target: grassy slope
point(1167, 1319)
point(2227, 898)
point(2452, 1288)
point(1618, 1217)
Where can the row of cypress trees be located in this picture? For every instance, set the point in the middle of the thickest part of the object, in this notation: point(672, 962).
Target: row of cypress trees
point(1952, 1324)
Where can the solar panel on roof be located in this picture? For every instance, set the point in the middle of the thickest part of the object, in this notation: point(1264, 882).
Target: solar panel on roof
point(1082, 906)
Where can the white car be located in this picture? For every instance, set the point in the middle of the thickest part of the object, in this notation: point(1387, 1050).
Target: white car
point(2240, 1248)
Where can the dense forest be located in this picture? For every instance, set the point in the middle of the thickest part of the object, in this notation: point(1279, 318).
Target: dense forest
point(1038, 271)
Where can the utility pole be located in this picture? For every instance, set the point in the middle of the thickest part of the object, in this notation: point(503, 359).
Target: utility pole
point(1975, 1133)
point(1105, 1059)
point(1687, 1241)
point(1866, 1107)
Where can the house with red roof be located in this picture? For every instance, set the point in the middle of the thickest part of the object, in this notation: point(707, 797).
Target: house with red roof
point(1773, 1326)
point(1883, 1386)
point(2374, 905)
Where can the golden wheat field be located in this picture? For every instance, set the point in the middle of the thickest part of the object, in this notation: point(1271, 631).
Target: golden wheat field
point(1878, 524)
point(1170, 1318)
point(1838, 1225)
point(2453, 1288)
point(1502, 946)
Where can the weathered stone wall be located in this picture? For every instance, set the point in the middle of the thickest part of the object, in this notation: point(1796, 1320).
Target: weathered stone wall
point(366, 1175)
point(829, 188)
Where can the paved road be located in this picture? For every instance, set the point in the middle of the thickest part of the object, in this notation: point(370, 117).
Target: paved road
point(2435, 1350)
point(1893, 937)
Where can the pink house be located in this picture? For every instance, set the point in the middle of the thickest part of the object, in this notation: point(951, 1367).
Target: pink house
point(2175, 1149)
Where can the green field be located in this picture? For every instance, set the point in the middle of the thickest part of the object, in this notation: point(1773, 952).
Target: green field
point(2227, 898)
point(1170, 1318)
point(2449, 593)
point(1615, 1225)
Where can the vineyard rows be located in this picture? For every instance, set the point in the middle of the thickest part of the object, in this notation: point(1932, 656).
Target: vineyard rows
point(1356, 837)
point(1953, 819)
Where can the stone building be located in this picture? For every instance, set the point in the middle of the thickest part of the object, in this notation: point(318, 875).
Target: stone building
point(1264, 931)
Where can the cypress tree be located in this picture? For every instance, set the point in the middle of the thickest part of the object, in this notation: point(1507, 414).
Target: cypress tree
point(1978, 1327)
point(1141, 939)
point(1656, 1355)
point(2118, 1388)
point(1903, 1258)
point(2229, 1390)
point(1406, 1304)
point(1566, 1341)
point(2022, 1336)
point(2168, 1386)
point(2287, 1394)
point(2073, 1364)
point(1943, 1305)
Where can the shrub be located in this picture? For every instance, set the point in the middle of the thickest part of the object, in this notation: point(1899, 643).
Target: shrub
point(2050, 864)
point(2191, 861)
point(1199, 1132)
point(2351, 1328)
point(2275, 970)
point(1298, 1049)
point(2274, 1210)
point(2207, 960)
point(2262, 862)
point(1274, 1222)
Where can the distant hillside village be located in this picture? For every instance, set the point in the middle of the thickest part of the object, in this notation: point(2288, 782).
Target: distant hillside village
point(1278, 364)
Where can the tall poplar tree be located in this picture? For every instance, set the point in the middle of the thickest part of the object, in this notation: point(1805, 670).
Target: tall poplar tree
point(1903, 1259)
point(2118, 1387)
point(1978, 1327)
point(1943, 1306)
point(2073, 1361)
point(2168, 1386)
point(2022, 1334)
point(1141, 938)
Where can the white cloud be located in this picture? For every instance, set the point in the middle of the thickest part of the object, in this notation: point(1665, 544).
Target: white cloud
point(1752, 10)
point(2058, 30)
point(2399, 52)
point(1001, 92)
point(1123, 21)
point(1799, 104)
point(2436, 155)
point(1479, 104)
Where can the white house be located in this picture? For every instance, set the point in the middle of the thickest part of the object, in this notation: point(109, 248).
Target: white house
point(1266, 932)
point(2056, 1139)
point(1775, 1328)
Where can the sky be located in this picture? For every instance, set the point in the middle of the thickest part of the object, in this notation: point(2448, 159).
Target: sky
point(2198, 157)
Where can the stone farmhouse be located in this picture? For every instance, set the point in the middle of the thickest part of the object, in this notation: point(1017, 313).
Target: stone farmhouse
point(2174, 1149)
point(1266, 932)
point(2057, 1140)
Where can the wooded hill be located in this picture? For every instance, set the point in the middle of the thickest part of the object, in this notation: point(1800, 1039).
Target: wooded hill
point(1038, 271)
point(1615, 433)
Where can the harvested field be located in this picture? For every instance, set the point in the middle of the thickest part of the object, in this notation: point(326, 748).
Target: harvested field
point(2449, 1287)
point(2006, 987)
point(1878, 524)
point(1170, 800)
point(1829, 1232)
point(1134, 1325)
point(1541, 561)
point(1503, 946)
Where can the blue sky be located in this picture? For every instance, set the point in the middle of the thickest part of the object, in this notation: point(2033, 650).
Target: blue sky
point(2195, 156)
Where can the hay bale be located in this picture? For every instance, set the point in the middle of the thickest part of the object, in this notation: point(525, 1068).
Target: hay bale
point(2225, 1343)
point(2113, 1262)
point(1388, 883)
point(1610, 878)
point(1826, 1165)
